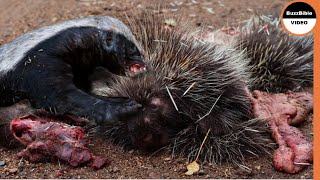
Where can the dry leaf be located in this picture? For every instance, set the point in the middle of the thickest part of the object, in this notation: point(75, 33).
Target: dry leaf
point(192, 168)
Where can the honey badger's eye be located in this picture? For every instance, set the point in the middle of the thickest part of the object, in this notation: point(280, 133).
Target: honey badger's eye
point(109, 39)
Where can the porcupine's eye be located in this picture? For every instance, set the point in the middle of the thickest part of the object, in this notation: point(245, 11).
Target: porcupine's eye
point(155, 103)
point(154, 106)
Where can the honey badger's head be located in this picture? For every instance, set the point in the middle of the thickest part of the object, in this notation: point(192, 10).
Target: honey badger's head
point(120, 54)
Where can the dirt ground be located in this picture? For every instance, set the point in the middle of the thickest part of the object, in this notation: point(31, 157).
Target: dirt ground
point(19, 16)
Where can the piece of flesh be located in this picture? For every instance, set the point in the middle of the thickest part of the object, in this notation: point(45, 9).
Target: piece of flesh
point(282, 111)
point(136, 69)
point(46, 138)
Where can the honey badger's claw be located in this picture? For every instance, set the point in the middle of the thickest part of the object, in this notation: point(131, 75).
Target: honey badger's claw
point(110, 111)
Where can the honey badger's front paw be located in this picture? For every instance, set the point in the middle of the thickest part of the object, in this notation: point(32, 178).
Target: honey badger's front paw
point(110, 111)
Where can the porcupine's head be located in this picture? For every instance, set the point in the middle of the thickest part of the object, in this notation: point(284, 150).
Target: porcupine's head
point(190, 87)
point(149, 128)
point(279, 61)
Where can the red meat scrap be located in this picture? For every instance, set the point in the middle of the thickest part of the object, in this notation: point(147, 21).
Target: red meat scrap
point(282, 111)
point(44, 137)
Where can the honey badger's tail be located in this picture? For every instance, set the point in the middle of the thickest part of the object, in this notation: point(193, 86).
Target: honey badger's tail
point(278, 61)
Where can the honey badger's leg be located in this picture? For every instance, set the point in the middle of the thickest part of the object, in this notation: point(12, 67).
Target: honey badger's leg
point(56, 90)
point(55, 72)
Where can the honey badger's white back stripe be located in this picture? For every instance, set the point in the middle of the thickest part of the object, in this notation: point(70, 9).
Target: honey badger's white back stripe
point(12, 53)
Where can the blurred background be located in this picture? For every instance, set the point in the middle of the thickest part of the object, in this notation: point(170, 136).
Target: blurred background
point(18, 16)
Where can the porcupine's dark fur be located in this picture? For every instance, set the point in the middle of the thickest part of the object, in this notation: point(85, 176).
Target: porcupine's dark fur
point(208, 86)
point(278, 61)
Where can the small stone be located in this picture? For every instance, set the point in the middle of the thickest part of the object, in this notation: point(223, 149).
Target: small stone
point(201, 172)
point(116, 169)
point(167, 159)
point(258, 168)
point(23, 173)
point(13, 170)
point(208, 177)
point(2, 163)
point(110, 170)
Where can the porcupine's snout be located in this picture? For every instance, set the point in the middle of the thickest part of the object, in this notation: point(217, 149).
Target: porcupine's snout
point(146, 133)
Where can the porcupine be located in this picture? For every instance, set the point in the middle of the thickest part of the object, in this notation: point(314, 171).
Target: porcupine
point(278, 61)
point(190, 87)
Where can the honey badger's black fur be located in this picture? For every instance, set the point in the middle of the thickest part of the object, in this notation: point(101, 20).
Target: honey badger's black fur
point(51, 66)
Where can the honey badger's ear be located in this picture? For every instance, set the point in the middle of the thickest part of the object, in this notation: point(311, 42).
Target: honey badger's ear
point(107, 39)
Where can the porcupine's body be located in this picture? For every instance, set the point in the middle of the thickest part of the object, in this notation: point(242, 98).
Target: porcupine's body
point(194, 86)
point(191, 87)
point(278, 61)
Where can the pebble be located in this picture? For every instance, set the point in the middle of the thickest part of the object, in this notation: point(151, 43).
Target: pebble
point(2, 163)
point(167, 159)
point(13, 170)
point(201, 172)
point(116, 169)
point(207, 177)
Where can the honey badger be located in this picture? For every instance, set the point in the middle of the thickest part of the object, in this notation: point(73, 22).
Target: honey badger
point(51, 67)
